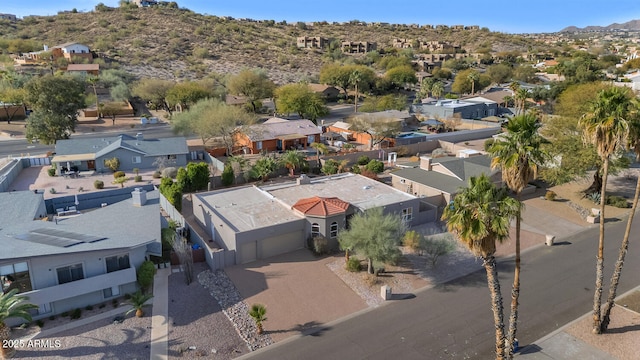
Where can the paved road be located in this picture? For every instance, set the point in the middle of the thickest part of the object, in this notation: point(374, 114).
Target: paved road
point(454, 321)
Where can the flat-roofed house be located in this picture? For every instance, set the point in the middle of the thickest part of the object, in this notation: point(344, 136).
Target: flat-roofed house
point(277, 134)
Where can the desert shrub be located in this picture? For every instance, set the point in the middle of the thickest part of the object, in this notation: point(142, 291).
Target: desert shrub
point(76, 313)
point(355, 169)
point(353, 265)
point(411, 240)
point(137, 178)
point(136, 171)
point(89, 308)
point(114, 302)
point(320, 245)
point(51, 171)
point(118, 174)
point(113, 164)
point(595, 197)
point(617, 201)
point(40, 323)
point(65, 314)
point(371, 280)
point(330, 167)
point(550, 195)
point(98, 184)
point(170, 172)
point(157, 174)
point(146, 271)
point(375, 166)
point(488, 143)
point(53, 190)
point(370, 174)
point(52, 317)
point(102, 306)
point(363, 160)
point(402, 151)
point(435, 247)
point(227, 175)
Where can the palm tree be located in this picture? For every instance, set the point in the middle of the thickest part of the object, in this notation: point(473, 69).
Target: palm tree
point(437, 89)
point(521, 98)
point(12, 306)
point(473, 77)
point(259, 314)
point(292, 159)
point(507, 100)
point(479, 216)
point(518, 152)
point(342, 165)
point(320, 149)
point(606, 127)
point(633, 142)
point(354, 79)
point(138, 301)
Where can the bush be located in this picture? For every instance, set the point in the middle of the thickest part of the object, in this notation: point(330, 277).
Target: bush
point(40, 323)
point(363, 160)
point(114, 302)
point(375, 166)
point(320, 245)
point(137, 178)
point(52, 190)
point(355, 169)
point(227, 175)
point(411, 240)
point(435, 247)
point(617, 201)
point(488, 143)
point(118, 174)
point(157, 174)
point(136, 171)
point(98, 184)
point(550, 195)
point(113, 164)
point(353, 265)
point(75, 314)
point(65, 314)
point(89, 308)
point(402, 151)
point(52, 317)
point(595, 197)
point(51, 171)
point(146, 271)
point(170, 172)
point(102, 306)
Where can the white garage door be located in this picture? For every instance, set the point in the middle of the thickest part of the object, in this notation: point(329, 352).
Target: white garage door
point(248, 252)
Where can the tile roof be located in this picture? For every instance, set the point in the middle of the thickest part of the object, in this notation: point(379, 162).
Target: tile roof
point(321, 206)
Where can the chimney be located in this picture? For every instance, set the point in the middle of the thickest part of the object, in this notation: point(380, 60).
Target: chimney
point(303, 179)
point(425, 163)
point(139, 197)
point(139, 137)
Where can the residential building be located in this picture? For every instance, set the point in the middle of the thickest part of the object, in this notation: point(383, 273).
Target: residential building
point(72, 52)
point(328, 92)
point(84, 69)
point(438, 180)
point(402, 43)
point(277, 134)
point(358, 47)
point(404, 118)
point(472, 108)
point(315, 42)
point(10, 17)
point(76, 260)
point(133, 152)
point(256, 222)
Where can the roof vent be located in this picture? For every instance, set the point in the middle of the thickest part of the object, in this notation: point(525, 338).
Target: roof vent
point(366, 187)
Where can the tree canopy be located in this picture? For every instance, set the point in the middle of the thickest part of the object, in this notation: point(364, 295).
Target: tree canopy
point(154, 91)
point(252, 84)
point(300, 99)
point(187, 93)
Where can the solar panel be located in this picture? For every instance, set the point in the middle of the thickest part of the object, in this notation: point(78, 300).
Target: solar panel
point(59, 238)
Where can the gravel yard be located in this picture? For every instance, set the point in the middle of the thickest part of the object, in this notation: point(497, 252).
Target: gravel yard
point(102, 339)
point(196, 320)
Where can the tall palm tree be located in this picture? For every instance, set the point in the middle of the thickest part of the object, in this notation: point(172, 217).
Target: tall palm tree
point(473, 77)
point(12, 306)
point(258, 313)
point(521, 99)
point(437, 89)
point(291, 160)
point(606, 127)
point(518, 153)
point(479, 216)
point(354, 79)
point(633, 142)
point(320, 149)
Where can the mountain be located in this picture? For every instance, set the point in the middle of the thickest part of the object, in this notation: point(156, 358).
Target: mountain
point(629, 25)
point(170, 43)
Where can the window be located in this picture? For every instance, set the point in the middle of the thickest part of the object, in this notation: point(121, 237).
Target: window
point(115, 263)
point(407, 214)
point(15, 276)
point(136, 159)
point(311, 139)
point(171, 157)
point(315, 230)
point(334, 230)
point(70, 273)
point(259, 145)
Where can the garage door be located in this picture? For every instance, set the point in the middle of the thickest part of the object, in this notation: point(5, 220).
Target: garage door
point(281, 244)
point(248, 252)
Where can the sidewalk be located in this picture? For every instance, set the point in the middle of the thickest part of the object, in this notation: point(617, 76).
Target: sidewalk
point(160, 315)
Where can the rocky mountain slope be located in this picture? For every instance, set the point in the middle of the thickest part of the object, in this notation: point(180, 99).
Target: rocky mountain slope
point(629, 25)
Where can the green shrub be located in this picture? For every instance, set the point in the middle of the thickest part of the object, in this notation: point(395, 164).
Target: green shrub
point(550, 195)
point(402, 151)
point(40, 323)
point(488, 143)
point(98, 184)
point(363, 160)
point(137, 178)
point(355, 169)
point(65, 314)
point(353, 265)
point(411, 240)
point(617, 201)
point(375, 166)
point(76, 313)
point(89, 308)
point(52, 190)
point(170, 172)
point(595, 197)
point(51, 171)
point(136, 171)
point(320, 245)
point(102, 306)
point(146, 271)
point(118, 174)
point(113, 164)
point(114, 302)
point(52, 317)
point(227, 175)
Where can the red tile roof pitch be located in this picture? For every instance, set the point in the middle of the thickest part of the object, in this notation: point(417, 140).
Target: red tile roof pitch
point(318, 206)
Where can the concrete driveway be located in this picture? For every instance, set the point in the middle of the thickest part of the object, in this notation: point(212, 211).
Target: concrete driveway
point(299, 291)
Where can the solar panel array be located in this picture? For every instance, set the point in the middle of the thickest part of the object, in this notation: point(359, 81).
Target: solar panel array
point(59, 238)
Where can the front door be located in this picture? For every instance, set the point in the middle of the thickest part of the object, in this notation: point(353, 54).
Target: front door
point(91, 164)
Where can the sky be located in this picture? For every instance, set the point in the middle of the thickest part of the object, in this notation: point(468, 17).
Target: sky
point(509, 16)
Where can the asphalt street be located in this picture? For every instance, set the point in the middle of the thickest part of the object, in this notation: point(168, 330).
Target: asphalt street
point(454, 320)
